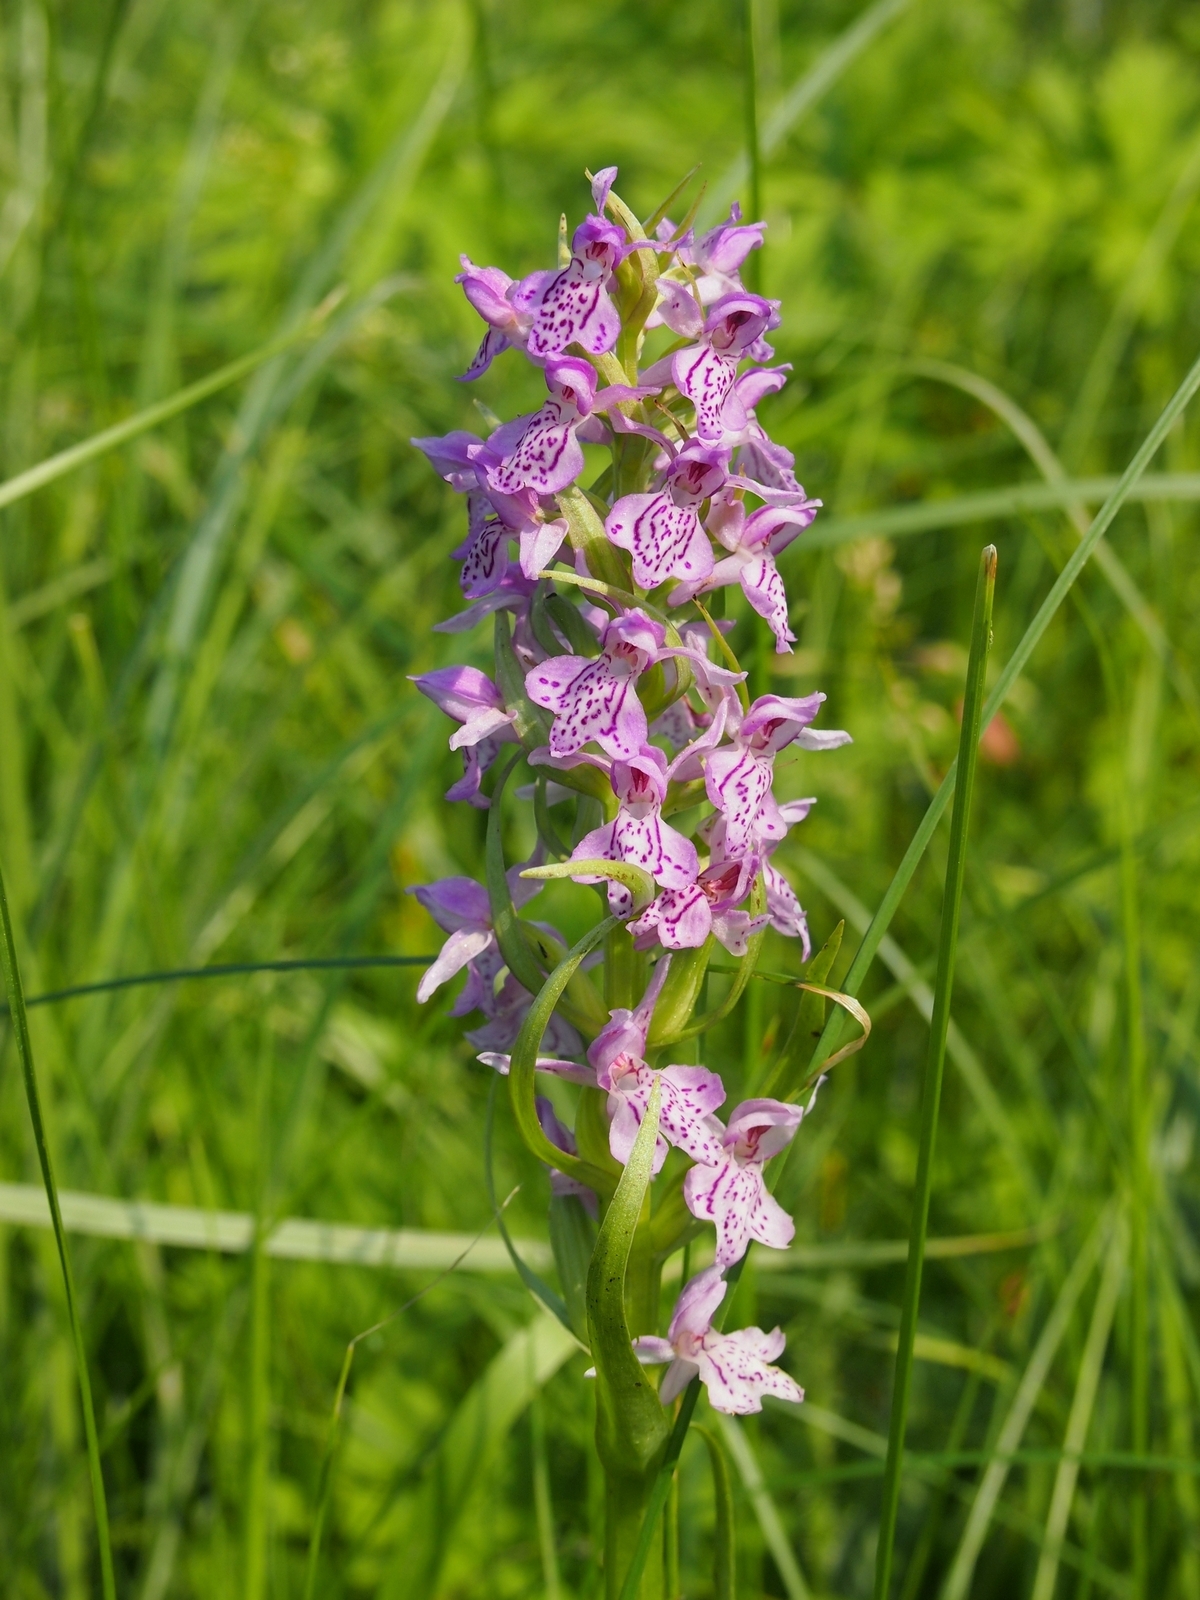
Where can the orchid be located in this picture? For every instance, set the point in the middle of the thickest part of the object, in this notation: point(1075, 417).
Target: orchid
point(653, 779)
point(731, 1193)
point(735, 1368)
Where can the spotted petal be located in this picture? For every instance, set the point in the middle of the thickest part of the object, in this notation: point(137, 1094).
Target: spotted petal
point(665, 540)
point(736, 1370)
point(575, 309)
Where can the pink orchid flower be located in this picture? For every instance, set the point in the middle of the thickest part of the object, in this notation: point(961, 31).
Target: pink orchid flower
point(738, 778)
point(637, 833)
point(470, 697)
point(735, 1368)
point(689, 1095)
point(732, 1193)
point(662, 531)
point(594, 698)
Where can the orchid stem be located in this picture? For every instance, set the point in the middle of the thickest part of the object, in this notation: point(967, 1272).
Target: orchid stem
point(968, 755)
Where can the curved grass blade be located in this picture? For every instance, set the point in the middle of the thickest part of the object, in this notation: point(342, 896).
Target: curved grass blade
point(725, 1537)
point(537, 1286)
point(865, 954)
point(968, 755)
point(12, 982)
point(78, 455)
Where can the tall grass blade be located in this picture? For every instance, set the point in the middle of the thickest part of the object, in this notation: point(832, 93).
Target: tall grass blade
point(765, 1509)
point(1013, 668)
point(983, 1508)
point(725, 1533)
point(968, 755)
point(803, 95)
point(1086, 1384)
point(12, 982)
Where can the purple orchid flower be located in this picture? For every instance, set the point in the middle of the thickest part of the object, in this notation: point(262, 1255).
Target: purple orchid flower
point(732, 1193)
point(759, 458)
point(753, 542)
point(738, 779)
point(561, 1136)
point(460, 908)
point(706, 372)
point(637, 833)
point(682, 919)
point(470, 697)
point(689, 1095)
point(735, 1368)
point(662, 531)
point(784, 910)
point(492, 293)
point(540, 451)
point(573, 306)
point(715, 259)
point(595, 697)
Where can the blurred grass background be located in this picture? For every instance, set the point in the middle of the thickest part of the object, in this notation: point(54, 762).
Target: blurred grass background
point(209, 752)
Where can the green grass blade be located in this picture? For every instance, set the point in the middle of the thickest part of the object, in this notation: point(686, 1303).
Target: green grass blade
point(765, 1509)
point(968, 755)
point(1015, 665)
point(12, 982)
point(983, 505)
point(983, 1507)
point(725, 1533)
point(57, 466)
point(1086, 1384)
point(803, 95)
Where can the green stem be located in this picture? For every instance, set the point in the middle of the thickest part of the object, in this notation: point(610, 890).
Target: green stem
point(1139, 1398)
point(16, 1002)
point(752, 269)
point(968, 752)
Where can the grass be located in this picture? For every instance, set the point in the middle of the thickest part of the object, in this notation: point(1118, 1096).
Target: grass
point(211, 757)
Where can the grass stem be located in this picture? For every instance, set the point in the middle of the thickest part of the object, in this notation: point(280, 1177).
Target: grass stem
point(16, 1001)
point(968, 755)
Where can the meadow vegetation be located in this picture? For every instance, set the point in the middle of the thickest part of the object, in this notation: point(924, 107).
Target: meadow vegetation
point(986, 235)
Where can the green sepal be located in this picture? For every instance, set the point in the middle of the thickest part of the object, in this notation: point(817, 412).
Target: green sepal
point(530, 723)
point(572, 1239)
point(585, 530)
point(790, 1068)
point(683, 796)
point(640, 883)
point(677, 1002)
point(523, 1065)
point(631, 1425)
point(724, 1542)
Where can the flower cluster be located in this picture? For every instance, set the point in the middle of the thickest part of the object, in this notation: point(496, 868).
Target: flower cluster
point(606, 683)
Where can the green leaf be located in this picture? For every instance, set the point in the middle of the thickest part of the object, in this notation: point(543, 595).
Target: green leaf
point(791, 1066)
point(572, 1238)
point(537, 1287)
point(679, 994)
point(724, 1540)
point(570, 621)
point(641, 883)
point(510, 933)
point(585, 530)
point(523, 1066)
point(631, 1425)
point(532, 723)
